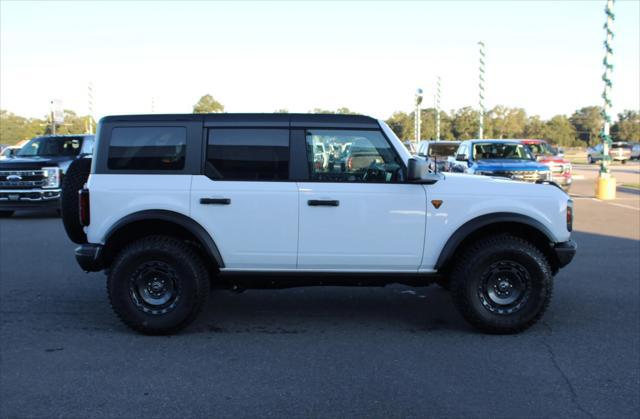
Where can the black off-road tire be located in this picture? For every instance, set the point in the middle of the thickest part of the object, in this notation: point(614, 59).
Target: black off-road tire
point(491, 260)
point(6, 214)
point(443, 282)
point(166, 258)
point(75, 178)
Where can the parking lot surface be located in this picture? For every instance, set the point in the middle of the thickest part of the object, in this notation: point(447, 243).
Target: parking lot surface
point(325, 352)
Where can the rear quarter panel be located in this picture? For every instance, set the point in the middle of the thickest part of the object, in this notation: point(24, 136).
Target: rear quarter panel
point(114, 196)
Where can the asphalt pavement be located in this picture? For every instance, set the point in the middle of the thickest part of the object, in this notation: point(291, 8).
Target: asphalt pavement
point(323, 352)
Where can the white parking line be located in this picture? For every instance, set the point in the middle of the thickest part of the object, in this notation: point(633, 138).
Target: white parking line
point(617, 205)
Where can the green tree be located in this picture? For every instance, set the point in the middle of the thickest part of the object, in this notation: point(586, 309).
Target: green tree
point(465, 123)
point(534, 128)
point(343, 111)
point(402, 124)
point(588, 123)
point(560, 131)
point(628, 127)
point(207, 104)
point(14, 128)
point(507, 122)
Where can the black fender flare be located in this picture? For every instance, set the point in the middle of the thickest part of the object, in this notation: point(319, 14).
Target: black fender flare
point(483, 221)
point(181, 220)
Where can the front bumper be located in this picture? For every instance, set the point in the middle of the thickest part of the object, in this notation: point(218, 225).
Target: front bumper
point(89, 257)
point(16, 199)
point(565, 252)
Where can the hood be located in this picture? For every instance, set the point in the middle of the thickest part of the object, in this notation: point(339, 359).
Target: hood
point(26, 163)
point(509, 165)
point(468, 184)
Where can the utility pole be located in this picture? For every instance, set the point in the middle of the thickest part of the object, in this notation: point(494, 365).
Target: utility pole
point(606, 186)
point(53, 120)
point(418, 98)
point(438, 109)
point(481, 90)
point(90, 103)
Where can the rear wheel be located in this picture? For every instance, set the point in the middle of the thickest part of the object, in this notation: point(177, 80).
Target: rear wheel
point(75, 178)
point(502, 284)
point(6, 214)
point(158, 285)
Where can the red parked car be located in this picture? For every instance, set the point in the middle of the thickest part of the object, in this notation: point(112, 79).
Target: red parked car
point(559, 166)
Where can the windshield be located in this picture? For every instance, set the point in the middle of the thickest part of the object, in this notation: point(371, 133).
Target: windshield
point(540, 148)
point(620, 145)
point(511, 151)
point(51, 146)
point(442, 150)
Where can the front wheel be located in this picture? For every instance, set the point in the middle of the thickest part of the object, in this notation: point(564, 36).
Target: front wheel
point(590, 160)
point(158, 285)
point(502, 284)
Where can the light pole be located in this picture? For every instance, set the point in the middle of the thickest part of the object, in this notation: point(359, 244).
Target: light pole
point(606, 186)
point(481, 90)
point(90, 102)
point(417, 116)
point(438, 109)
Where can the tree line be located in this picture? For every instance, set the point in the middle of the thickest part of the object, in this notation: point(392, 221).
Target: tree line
point(582, 128)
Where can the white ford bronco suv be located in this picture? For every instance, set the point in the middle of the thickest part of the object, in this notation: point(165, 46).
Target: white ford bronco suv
point(170, 206)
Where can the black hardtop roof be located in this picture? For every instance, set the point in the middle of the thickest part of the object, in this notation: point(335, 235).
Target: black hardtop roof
point(251, 118)
point(64, 136)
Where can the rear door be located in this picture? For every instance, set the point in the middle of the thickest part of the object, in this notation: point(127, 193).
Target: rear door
point(245, 198)
point(356, 214)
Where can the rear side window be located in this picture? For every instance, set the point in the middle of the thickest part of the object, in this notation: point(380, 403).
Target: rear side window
point(147, 148)
point(248, 154)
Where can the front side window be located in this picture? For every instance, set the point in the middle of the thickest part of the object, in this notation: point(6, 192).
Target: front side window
point(248, 154)
point(351, 156)
point(147, 148)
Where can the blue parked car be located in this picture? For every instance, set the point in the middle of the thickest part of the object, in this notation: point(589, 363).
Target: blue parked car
point(503, 158)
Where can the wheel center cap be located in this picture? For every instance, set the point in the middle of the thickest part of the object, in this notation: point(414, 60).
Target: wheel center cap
point(156, 286)
point(504, 285)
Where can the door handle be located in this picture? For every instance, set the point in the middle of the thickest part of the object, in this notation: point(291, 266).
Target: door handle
point(323, 202)
point(215, 201)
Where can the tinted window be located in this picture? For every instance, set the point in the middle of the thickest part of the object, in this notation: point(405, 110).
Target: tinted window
point(351, 156)
point(147, 148)
point(248, 154)
point(51, 146)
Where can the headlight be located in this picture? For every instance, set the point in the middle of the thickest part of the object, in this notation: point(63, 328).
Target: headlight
point(51, 177)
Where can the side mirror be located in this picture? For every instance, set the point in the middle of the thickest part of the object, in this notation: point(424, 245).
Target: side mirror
point(417, 169)
point(462, 157)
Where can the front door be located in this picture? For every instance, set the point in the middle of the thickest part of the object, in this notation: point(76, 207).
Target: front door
point(356, 214)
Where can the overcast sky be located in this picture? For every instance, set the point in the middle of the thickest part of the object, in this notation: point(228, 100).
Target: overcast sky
point(258, 57)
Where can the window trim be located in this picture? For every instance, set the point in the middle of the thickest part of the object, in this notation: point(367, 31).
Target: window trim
point(205, 144)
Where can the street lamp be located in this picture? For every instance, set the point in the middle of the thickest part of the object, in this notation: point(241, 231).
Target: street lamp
point(418, 99)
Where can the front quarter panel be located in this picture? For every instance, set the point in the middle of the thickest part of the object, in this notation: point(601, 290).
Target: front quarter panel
point(465, 197)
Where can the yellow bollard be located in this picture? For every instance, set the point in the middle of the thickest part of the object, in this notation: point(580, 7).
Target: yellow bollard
point(606, 188)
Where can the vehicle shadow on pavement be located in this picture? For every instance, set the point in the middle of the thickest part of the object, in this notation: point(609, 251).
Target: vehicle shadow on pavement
point(628, 190)
point(320, 309)
point(34, 214)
